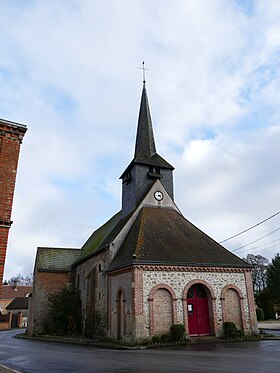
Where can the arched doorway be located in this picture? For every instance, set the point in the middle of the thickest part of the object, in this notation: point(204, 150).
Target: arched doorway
point(198, 310)
point(163, 312)
point(232, 310)
point(120, 315)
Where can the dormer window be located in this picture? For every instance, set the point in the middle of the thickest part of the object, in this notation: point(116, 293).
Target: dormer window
point(126, 178)
point(154, 172)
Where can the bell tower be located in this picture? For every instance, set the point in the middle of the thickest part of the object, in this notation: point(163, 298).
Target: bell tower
point(147, 166)
point(11, 135)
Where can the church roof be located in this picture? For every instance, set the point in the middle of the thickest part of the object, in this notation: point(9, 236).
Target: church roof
point(56, 259)
point(18, 303)
point(11, 292)
point(145, 147)
point(145, 142)
point(104, 235)
point(100, 237)
point(164, 236)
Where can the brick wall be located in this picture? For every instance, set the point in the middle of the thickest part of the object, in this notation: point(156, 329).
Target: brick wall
point(11, 135)
point(122, 282)
point(217, 282)
point(154, 297)
point(232, 308)
point(92, 272)
point(45, 283)
point(163, 315)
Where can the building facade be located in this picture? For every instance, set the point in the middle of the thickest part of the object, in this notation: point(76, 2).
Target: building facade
point(11, 135)
point(148, 267)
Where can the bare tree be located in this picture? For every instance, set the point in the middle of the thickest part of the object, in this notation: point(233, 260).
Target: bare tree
point(20, 280)
point(259, 271)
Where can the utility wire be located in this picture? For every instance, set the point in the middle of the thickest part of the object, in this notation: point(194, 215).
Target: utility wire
point(267, 250)
point(246, 230)
point(267, 243)
point(241, 247)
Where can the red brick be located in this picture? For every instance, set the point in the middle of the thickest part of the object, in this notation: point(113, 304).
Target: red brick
point(11, 135)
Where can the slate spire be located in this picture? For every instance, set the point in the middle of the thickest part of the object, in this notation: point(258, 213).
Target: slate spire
point(145, 143)
point(146, 166)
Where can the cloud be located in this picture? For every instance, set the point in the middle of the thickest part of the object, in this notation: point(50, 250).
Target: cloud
point(69, 70)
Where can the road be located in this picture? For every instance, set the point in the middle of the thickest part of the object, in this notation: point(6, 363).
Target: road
point(45, 357)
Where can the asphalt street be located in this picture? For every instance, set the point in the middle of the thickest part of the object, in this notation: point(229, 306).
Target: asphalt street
point(44, 357)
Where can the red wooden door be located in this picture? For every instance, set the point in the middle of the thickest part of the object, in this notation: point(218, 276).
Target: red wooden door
point(198, 312)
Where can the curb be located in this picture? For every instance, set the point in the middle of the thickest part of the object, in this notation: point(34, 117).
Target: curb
point(4, 369)
point(113, 346)
point(89, 343)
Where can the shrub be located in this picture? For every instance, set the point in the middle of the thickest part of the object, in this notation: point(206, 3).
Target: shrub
point(265, 301)
point(65, 312)
point(239, 334)
point(177, 332)
point(260, 314)
point(92, 322)
point(156, 339)
point(230, 330)
point(165, 338)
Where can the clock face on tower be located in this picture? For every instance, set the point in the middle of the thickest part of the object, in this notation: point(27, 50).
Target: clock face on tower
point(158, 195)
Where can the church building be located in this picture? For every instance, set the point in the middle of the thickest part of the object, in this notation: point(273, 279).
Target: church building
point(148, 267)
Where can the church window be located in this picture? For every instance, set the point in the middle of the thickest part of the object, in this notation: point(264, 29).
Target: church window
point(78, 282)
point(99, 268)
point(154, 172)
point(127, 178)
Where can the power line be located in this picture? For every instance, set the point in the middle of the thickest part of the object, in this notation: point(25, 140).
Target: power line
point(268, 249)
point(267, 243)
point(268, 234)
point(246, 230)
point(265, 250)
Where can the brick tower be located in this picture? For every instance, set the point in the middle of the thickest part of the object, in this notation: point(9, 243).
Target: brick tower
point(11, 135)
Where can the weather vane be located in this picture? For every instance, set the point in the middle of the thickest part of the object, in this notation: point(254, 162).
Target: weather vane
point(144, 69)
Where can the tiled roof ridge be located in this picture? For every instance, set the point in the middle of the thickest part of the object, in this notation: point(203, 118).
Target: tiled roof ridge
point(203, 233)
point(9, 292)
point(140, 240)
point(56, 247)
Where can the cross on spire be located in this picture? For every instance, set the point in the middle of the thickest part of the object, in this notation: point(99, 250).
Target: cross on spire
point(144, 69)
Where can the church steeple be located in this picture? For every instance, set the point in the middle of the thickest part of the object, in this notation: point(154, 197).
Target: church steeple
point(145, 143)
point(147, 166)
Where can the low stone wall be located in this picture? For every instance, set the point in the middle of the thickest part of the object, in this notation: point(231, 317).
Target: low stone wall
point(4, 325)
point(6, 321)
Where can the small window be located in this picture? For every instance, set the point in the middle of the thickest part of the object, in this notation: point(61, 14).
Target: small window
point(191, 292)
point(99, 268)
point(154, 172)
point(127, 178)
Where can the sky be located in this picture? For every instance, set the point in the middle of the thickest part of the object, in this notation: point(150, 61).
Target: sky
point(69, 70)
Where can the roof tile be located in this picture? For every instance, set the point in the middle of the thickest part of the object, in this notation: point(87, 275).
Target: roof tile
point(164, 236)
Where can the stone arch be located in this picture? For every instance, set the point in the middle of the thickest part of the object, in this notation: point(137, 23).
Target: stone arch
point(121, 320)
point(162, 295)
point(211, 304)
point(232, 301)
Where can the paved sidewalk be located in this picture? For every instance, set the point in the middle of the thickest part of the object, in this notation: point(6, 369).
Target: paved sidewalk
point(273, 325)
